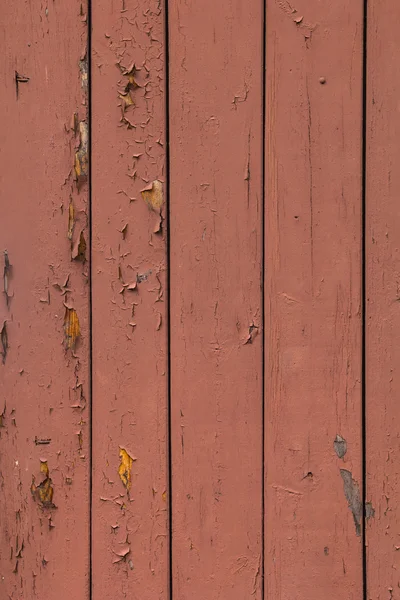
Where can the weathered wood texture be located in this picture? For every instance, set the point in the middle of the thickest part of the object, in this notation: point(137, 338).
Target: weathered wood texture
point(215, 52)
point(44, 452)
point(313, 299)
point(266, 187)
point(382, 292)
point(130, 540)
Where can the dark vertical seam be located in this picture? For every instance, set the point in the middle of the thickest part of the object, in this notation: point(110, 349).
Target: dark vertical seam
point(364, 298)
point(263, 239)
point(90, 227)
point(168, 308)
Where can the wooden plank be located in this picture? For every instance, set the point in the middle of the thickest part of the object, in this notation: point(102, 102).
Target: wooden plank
point(129, 320)
point(44, 393)
point(382, 294)
point(215, 52)
point(313, 512)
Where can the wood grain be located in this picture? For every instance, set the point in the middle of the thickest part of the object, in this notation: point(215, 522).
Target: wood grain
point(44, 375)
point(215, 52)
point(129, 291)
point(313, 300)
point(382, 307)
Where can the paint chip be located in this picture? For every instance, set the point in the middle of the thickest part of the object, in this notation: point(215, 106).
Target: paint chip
point(71, 328)
point(4, 341)
point(125, 95)
point(352, 495)
point(71, 219)
point(6, 277)
point(44, 491)
point(340, 446)
point(153, 196)
point(79, 248)
point(125, 467)
point(81, 156)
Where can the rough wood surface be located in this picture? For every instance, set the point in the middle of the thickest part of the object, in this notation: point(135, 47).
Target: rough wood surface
point(215, 52)
point(44, 453)
point(129, 297)
point(382, 307)
point(313, 512)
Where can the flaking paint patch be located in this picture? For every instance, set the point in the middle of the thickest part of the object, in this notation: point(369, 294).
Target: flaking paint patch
point(71, 328)
point(81, 156)
point(369, 511)
point(71, 219)
point(4, 341)
point(6, 277)
point(153, 196)
point(340, 446)
point(44, 491)
point(83, 68)
point(126, 95)
point(352, 495)
point(78, 251)
point(125, 468)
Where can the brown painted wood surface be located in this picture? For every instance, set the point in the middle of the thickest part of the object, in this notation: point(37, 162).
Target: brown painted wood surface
point(382, 300)
point(130, 540)
point(206, 330)
point(44, 394)
point(215, 52)
point(313, 300)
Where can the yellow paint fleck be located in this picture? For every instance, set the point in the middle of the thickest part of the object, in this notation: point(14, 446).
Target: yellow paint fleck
point(164, 496)
point(71, 327)
point(125, 467)
point(44, 491)
point(44, 468)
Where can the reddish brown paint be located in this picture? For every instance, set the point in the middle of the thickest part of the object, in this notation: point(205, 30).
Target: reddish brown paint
point(313, 298)
point(130, 539)
point(215, 67)
point(43, 387)
point(382, 308)
point(313, 303)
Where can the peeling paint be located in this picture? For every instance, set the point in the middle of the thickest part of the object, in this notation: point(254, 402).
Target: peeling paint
point(71, 328)
point(6, 277)
point(125, 95)
point(4, 341)
point(352, 495)
point(78, 251)
point(44, 491)
point(297, 18)
point(153, 196)
point(83, 68)
point(71, 219)
point(340, 446)
point(122, 553)
point(253, 331)
point(125, 467)
point(81, 156)
point(369, 511)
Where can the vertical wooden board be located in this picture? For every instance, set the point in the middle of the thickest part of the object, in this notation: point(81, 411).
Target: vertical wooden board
point(313, 506)
point(44, 441)
point(382, 305)
point(215, 52)
point(129, 320)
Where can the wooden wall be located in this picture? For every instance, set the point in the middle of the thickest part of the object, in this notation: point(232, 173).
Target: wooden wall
point(199, 360)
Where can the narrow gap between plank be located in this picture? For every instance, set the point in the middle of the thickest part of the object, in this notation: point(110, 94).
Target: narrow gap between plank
point(263, 239)
point(364, 299)
point(90, 236)
point(168, 307)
